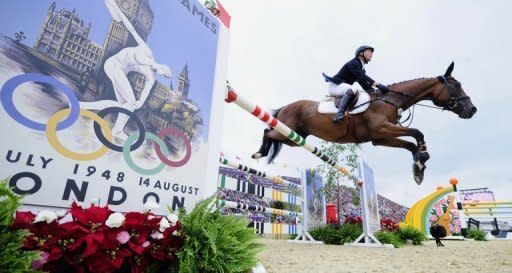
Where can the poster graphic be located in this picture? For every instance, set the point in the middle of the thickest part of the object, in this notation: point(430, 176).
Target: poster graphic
point(371, 205)
point(315, 200)
point(108, 100)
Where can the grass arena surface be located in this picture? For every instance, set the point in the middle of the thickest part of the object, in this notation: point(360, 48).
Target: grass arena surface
point(281, 256)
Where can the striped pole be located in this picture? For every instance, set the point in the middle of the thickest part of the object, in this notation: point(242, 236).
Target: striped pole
point(236, 205)
point(463, 224)
point(274, 123)
point(487, 208)
point(244, 168)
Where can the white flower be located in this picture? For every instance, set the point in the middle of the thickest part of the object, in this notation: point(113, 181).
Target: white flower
point(150, 205)
point(173, 219)
point(157, 235)
point(61, 213)
point(115, 220)
point(146, 244)
point(151, 217)
point(175, 233)
point(45, 216)
point(164, 224)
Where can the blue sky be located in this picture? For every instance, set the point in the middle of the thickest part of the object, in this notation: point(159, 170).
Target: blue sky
point(177, 38)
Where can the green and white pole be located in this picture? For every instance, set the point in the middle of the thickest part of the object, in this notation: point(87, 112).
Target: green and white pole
point(275, 124)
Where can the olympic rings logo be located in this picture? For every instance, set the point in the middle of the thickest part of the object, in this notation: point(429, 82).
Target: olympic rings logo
point(67, 117)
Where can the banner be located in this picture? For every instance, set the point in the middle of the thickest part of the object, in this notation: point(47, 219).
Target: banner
point(112, 100)
point(314, 214)
point(476, 195)
point(370, 202)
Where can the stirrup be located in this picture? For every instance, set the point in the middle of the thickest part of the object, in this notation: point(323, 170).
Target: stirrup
point(337, 119)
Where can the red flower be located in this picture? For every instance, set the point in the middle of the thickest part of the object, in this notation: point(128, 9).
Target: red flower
point(105, 261)
point(23, 219)
point(92, 216)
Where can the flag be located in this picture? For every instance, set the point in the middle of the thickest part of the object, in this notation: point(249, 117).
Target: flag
point(224, 16)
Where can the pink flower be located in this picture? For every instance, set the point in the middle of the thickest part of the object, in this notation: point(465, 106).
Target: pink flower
point(37, 264)
point(123, 237)
point(439, 211)
point(433, 218)
point(146, 244)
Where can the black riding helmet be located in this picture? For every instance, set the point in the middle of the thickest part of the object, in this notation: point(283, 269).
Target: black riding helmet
point(363, 48)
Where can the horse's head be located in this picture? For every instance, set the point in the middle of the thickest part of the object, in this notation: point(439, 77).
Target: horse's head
point(452, 97)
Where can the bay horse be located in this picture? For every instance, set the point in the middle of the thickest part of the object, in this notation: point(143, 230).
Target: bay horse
point(378, 124)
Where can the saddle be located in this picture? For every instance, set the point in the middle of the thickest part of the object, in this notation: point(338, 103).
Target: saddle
point(358, 105)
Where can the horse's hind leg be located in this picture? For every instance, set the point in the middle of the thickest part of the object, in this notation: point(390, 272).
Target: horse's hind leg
point(269, 136)
point(265, 146)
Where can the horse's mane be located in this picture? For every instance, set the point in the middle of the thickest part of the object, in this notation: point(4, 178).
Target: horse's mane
point(403, 82)
point(404, 85)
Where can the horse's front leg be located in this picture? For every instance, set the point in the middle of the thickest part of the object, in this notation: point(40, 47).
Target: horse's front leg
point(390, 132)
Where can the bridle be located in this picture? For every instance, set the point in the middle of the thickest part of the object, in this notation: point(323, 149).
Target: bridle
point(454, 100)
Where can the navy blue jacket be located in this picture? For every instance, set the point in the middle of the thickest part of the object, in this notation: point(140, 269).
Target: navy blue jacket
point(352, 71)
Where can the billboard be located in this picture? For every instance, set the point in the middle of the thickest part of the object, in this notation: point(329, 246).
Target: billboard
point(112, 100)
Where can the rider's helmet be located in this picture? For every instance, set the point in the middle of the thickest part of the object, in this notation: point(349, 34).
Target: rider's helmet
point(363, 48)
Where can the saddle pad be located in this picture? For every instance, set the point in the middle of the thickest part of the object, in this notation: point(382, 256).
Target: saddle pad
point(328, 107)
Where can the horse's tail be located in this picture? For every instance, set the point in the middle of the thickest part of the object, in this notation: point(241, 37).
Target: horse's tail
point(275, 145)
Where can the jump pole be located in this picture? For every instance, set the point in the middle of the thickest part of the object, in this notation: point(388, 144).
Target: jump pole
point(284, 130)
point(304, 236)
point(266, 117)
point(249, 170)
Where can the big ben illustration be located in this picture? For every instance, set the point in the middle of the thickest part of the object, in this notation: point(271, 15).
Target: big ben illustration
point(141, 16)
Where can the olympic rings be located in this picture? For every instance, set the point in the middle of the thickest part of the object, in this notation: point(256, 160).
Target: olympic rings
point(51, 134)
point(129, 160)
point(180, 134)
point(67, 117)
point(108, 143)
point(7, 92)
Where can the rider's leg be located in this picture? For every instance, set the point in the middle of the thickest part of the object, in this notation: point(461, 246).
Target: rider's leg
point(345, 101)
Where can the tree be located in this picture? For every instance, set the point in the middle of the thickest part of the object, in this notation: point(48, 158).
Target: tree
point(346, 155)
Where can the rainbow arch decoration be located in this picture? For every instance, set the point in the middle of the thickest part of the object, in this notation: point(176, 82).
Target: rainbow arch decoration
point(419, 214)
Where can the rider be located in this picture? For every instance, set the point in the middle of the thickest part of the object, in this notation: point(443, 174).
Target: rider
point(341, 84)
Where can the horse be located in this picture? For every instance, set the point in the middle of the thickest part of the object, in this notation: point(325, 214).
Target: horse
point(378, 124)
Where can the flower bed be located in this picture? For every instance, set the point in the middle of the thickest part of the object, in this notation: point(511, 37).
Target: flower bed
point(95, 239)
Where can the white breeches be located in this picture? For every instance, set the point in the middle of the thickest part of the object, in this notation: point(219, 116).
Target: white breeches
point(339, 90)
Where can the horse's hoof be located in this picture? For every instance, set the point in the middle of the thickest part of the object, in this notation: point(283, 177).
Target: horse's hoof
point(423, 156)
point(418, 170)
point(256, 155)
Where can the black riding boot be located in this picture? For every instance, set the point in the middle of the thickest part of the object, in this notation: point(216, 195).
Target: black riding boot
point(345, 101)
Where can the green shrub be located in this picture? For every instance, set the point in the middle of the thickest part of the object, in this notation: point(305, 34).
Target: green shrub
point(292, 236)
point(387, 237)
point(476, 234)
point(215, 242)
point(411, 233)
point(336, 235)
point(12, 258)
